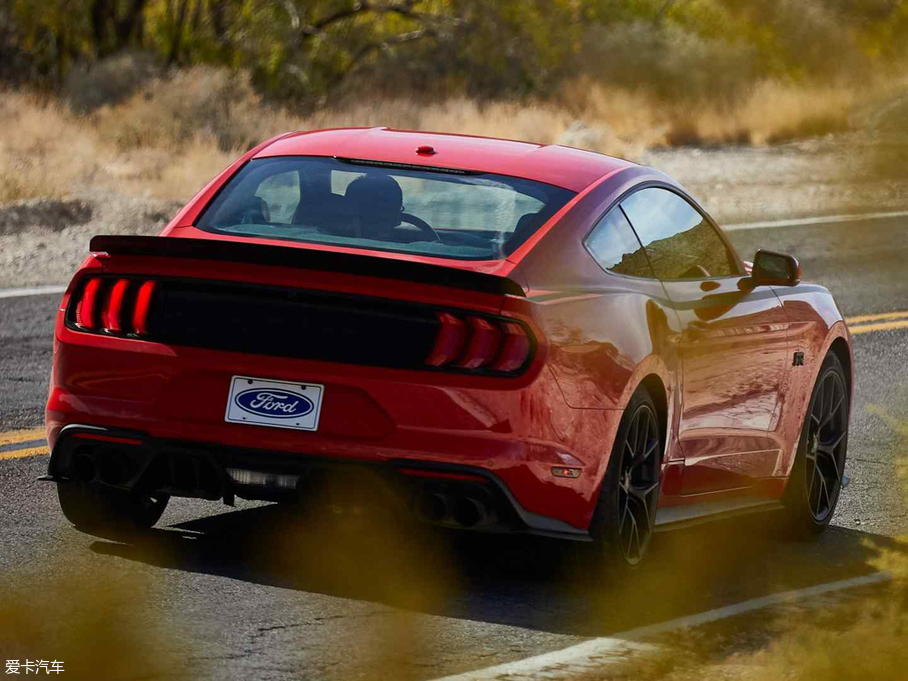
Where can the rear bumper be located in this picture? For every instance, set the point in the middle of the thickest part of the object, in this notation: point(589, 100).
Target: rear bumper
point(513, 429)
point(452, 495)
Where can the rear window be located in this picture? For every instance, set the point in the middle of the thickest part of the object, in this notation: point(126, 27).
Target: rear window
point(449, 214)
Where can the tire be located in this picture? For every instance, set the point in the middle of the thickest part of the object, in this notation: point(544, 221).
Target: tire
point(90, 507)
point(815, 482)
point(624, 519)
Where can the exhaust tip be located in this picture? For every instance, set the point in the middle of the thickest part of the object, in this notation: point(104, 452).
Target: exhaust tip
point(432, 507)
point(469, 512)
point(114, 467)
point(83, 468)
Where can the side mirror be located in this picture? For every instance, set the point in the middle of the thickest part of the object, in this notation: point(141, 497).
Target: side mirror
point(774, 269)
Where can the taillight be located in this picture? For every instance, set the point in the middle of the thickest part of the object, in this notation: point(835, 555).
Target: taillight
point(88, 304)
point(515, 348)
point(143, 302)
point(114, 306)
point(477, 343)
point(482, 346)
point(449, 342)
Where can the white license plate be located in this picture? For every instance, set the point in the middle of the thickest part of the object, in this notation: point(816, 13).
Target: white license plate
point(280, 404)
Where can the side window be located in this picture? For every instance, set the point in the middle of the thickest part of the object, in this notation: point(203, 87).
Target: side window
point(680, 242)
point(281, 194)
point(615, 246)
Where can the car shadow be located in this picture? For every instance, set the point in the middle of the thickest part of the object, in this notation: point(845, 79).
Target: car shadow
point(530, 582)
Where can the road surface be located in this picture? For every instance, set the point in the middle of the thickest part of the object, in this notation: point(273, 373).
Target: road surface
point(259, 592)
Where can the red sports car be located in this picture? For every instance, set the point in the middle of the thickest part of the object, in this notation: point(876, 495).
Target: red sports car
point(506, 337)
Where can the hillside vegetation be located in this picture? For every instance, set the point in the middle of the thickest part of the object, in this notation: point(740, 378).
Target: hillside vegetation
point(313, 52)
point(155, 96)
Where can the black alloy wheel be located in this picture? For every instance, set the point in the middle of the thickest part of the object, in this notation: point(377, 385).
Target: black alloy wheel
point(626, 512)
point(816, 479)
point(827, 430)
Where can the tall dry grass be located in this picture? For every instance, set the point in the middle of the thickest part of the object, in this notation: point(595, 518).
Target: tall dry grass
point(176, 132)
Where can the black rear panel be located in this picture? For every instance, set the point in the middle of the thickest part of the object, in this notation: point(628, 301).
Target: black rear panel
point(291, 323)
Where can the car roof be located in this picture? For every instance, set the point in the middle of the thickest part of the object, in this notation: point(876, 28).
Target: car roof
point(566, 167)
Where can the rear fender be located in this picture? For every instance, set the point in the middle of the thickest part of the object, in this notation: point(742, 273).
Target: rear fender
point(815, 323)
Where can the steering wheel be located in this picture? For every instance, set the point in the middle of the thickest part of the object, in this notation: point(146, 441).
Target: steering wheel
point(421, 225)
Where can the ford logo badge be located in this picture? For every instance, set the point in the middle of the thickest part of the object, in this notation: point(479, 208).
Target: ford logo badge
point(279, 404)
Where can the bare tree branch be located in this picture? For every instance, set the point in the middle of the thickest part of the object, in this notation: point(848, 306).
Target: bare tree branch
point(404, 9)
point(177, 34)
point(380, 45)
point(126, 27)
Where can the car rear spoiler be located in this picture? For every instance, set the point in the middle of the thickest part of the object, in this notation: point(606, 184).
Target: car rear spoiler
point(286, 256)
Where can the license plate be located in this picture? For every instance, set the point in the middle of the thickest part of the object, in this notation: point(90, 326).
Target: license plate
point(279, 404)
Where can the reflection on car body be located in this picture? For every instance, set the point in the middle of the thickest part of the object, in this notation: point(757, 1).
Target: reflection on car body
point(509, 337)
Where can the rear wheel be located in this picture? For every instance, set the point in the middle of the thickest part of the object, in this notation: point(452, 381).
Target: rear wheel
point(815, 482)
point(91, 507)
point(625, 513)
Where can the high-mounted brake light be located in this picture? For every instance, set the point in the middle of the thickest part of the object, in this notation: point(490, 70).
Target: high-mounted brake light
point(114, 307)
point(143, 302)
point(85, 310)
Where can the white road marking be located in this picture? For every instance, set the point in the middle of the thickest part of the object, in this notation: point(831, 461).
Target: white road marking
point(819, 220)
point(599, 652)
point(33, 291)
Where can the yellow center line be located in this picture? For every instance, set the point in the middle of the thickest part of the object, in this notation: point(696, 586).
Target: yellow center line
point(23, 453)
point(860, 319)
point(882, 326)
point(15, 436)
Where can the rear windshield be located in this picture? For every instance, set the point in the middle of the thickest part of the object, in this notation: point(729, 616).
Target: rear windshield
point(448, 214)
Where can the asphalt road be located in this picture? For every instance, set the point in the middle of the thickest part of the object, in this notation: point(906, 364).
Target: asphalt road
point(262, 592)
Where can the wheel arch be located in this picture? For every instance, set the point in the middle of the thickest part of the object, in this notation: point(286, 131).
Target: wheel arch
point(655, 386)
point(842, 351)
point(657, 390)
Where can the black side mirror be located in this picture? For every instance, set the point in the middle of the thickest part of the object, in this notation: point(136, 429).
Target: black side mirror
point(774, 269)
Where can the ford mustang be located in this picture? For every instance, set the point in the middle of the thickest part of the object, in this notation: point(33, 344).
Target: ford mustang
point(500, 336)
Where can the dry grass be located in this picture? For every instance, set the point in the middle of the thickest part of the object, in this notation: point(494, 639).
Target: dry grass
point(174, 134)
point(34, 139)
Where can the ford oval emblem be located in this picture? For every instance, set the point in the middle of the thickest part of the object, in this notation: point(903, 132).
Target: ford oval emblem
point(279, 404)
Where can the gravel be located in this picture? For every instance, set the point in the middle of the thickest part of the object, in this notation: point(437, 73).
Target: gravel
point(43, 241)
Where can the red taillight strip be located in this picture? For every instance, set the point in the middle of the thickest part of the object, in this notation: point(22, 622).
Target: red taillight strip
point(442, 475)
point(114, 307)
point(108, 438)
point(482, 346)
point(515, 349)
point(449, 342)
point(85, 310)
point(143, 302)
point(477, 343)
